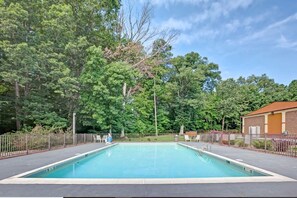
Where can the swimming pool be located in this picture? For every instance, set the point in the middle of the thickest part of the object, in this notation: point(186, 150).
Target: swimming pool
point(140, 163)
point(158, 160)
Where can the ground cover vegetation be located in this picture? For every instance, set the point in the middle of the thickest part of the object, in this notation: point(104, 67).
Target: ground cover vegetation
point(106, 63)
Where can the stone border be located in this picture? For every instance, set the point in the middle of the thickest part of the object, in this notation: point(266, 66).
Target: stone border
point(272, 177)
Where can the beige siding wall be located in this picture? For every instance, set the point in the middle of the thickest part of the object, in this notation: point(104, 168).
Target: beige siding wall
point(291, 122)
point(254, 121)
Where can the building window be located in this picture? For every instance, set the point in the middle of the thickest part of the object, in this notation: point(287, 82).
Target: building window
point(255, 131)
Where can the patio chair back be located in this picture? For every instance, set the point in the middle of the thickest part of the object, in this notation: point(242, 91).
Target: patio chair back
point(187, 138)
point(98, 138)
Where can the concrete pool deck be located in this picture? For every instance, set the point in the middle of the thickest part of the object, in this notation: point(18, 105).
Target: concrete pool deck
point(279, 164)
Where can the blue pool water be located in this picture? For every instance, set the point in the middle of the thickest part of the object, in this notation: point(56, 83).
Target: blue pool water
point(151, 160)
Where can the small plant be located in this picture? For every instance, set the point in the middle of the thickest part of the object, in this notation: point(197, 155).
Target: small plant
point(232, 142)
point(149, 139)
point(225, 142)
point(260, 144)
point(239, 143)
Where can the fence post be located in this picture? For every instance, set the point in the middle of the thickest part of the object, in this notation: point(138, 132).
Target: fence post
point(212, 138)
point(84, 138)
point(0, 147)
point(64, 140)
point(295, 147)
point(27, 151)
point(251, 139)
point(229, 139)
point(49, 141)
point(265, 142)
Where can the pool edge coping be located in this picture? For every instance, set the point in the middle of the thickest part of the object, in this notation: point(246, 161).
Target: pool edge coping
point(269, 173)
point(18, 179)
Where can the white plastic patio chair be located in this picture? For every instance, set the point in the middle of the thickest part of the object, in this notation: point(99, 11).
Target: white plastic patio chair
point(187, 138)
point(197, 139)
point(104, 138)
point(98, 138)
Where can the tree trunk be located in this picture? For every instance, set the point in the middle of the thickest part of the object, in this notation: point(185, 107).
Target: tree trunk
point(155, 108)
point(110, 129)
point(124, 106)
point(17, 107)
point(223, 123)
point(123, 132)
point(181, 131)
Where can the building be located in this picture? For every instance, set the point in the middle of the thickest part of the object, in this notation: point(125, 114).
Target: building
point(274, 118)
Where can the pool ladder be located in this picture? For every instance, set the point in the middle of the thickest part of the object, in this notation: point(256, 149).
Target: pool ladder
point(207, 148)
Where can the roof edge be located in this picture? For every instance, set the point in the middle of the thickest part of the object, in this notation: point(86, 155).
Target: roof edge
point(250, 114)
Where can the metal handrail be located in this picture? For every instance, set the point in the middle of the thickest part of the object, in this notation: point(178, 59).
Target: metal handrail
point(24, 144)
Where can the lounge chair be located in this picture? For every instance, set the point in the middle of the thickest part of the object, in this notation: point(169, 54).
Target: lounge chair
point(197, 138)
point(98, 138)
point(104, 138)
point(187, 138)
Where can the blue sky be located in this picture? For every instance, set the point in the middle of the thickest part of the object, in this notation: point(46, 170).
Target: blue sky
point(243, 37)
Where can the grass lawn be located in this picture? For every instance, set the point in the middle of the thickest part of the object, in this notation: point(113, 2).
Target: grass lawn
point(160, 138)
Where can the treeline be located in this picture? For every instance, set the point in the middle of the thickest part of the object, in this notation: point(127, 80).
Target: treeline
point(63, 56)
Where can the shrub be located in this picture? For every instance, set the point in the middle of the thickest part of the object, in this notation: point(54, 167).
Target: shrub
point(225, 142)
point(239, 143)
point(260, 144)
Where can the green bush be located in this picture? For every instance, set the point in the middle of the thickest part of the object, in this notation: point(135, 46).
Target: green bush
point(260, 144)
point(239, 143)
point(232, 142)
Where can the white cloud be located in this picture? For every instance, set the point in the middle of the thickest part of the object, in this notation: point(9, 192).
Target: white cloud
point(245, 23)
point(167, 3)
point(269, 29)
point(221, 8)
point(211, 10)
point(249, 21)
point(233, 25)
point(283, 42)
point(189, 38)
point(176, 24)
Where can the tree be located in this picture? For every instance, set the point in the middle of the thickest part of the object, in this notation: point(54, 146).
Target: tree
point(14, 70)
point(292, 89)
point(188, 77)
point(101, 95)
point(229, 102)
point(43, 52)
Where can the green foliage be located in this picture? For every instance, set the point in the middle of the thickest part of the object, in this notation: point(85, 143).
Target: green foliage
point(239, 143)
point(292, 89)
point(54, 62)
point(260, 144)
point(104, 101)
point(191, 75)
